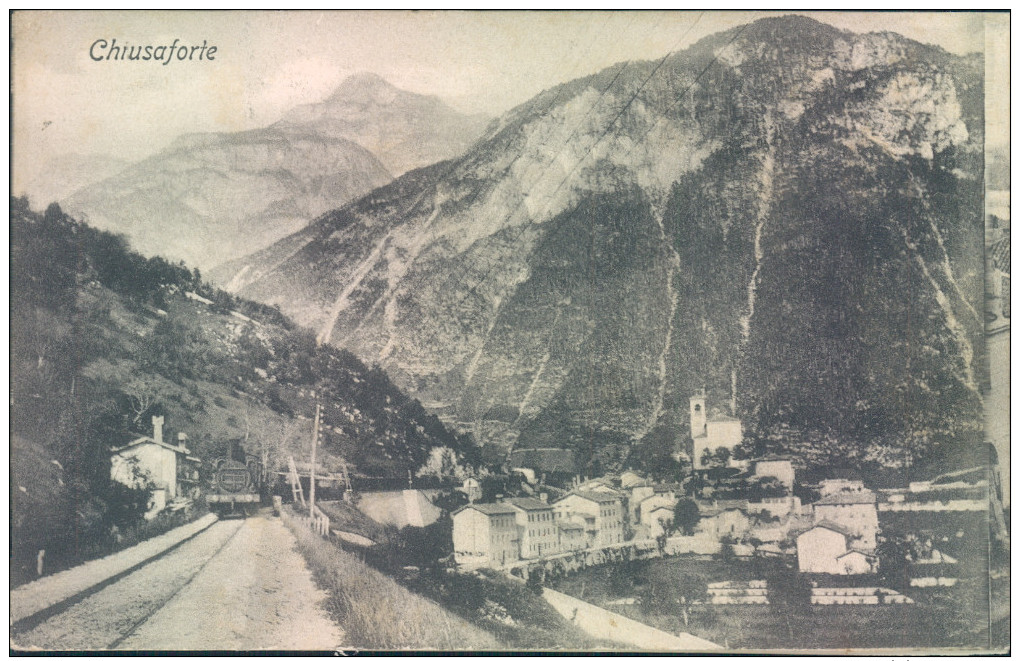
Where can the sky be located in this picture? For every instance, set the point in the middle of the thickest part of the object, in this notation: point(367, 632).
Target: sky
point(269, 62)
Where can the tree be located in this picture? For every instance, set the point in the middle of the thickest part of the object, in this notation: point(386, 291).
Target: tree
point(53, 214)
point(442, 463)
point(686, 516)
point(726, 553)
point(143, 391)
point(667, 590)
point(893, 561)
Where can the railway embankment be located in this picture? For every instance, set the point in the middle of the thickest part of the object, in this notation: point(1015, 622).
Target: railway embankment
point(53, 593)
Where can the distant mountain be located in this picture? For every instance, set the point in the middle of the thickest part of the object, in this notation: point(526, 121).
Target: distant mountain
point(403, 130)
point(212, 197)
point(784, 213)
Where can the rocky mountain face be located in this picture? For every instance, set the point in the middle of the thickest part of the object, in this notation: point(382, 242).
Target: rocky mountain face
point(212, 197)
point(784, 214)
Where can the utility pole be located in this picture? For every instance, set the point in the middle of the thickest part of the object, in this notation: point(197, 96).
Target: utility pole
point(315, 443)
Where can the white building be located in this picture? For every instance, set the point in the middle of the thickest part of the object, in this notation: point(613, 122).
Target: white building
point(471, 488)
point(536, 526)
point(781, 468)
point(856, 511)
point(826, 548)
point(657, 501)
point(712, 433)
point(169, 469)
point(600, 513)
point(731, 521)
point(485, 534)
point(658, 519)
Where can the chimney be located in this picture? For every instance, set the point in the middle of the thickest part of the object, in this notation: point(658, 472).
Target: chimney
point(157, 428)
point(181, 438)
point(499, 498)
point(544, 497)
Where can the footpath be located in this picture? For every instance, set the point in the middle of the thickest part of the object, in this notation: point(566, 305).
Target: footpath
point(54, 591)
point(610, 626)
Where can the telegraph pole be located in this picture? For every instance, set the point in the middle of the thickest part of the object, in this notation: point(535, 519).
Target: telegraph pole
point(315, 443)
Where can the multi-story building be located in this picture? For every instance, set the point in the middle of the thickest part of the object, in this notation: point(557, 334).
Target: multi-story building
point(601, 514)
point(536, 526)
point(486, 534)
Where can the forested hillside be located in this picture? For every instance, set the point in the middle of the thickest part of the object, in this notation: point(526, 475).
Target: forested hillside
point(102, 339)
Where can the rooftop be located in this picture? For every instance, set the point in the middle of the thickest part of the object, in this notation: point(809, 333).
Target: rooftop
point(848, 498)
point(528, 503)
point(594, 496)
point(829, 525)
point(488, 509)
point(148, 439)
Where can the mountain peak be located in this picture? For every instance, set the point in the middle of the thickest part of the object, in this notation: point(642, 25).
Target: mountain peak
point(363, 85)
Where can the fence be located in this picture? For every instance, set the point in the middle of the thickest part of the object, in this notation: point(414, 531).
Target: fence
point(315, 520)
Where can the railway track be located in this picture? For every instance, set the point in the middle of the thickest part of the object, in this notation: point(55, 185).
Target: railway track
point(238, 585)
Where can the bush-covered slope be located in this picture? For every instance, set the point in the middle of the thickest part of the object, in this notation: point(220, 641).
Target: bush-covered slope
point(103, 338)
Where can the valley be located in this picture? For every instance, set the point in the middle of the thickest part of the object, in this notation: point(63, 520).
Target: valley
point(704, 347)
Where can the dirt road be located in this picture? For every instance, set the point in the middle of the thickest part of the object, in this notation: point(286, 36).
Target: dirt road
point(240, 585)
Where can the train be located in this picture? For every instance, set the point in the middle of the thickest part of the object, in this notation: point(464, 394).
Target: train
point(237, 486)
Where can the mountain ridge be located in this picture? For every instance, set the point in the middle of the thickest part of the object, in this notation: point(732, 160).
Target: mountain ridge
point(754, 173)
point(211, 197)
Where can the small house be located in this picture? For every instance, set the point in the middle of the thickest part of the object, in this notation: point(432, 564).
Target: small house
point(471, 488)
point(658, 519)
point(780, 468)
point(169, 469)
point(825, 548)
point(571, 535)
point(651, 503)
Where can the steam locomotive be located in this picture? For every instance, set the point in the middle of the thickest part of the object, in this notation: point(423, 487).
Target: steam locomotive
point(237, 484)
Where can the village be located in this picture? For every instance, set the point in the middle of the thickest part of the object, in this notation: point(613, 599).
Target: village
point(554, 522)
point(730, 508)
